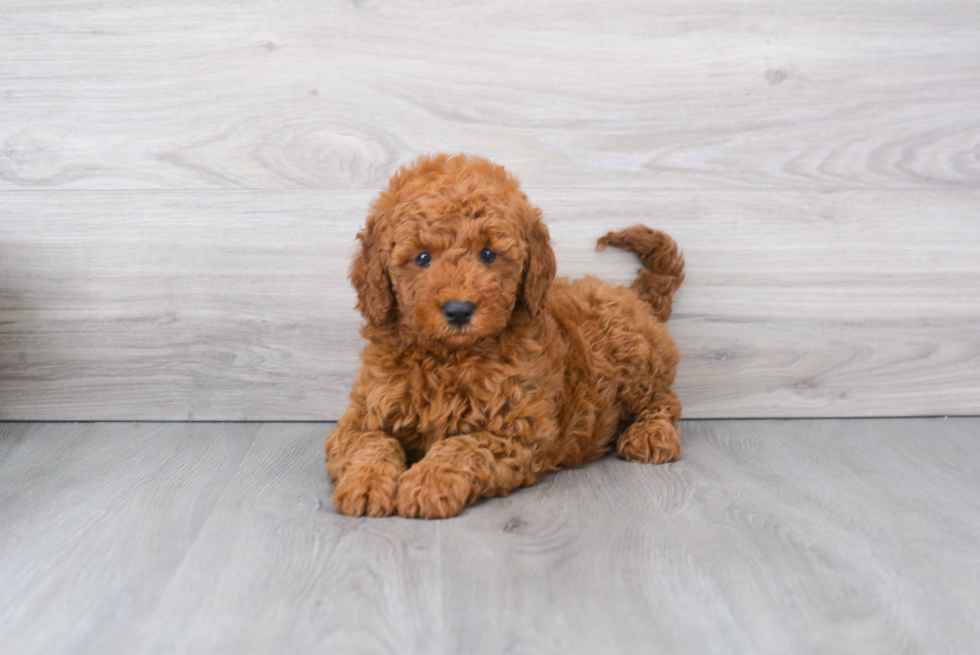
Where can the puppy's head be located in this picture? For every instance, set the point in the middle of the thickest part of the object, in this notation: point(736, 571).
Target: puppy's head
point(451, 248)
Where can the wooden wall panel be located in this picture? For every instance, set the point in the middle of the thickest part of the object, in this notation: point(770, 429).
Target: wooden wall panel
point(308, 94)
point(235, 305)
point(180, 183)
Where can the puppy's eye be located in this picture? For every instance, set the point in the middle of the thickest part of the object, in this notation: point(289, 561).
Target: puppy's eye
point(423, 259)
point(487, 255)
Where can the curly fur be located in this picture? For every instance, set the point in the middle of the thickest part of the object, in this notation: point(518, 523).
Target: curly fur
point(548, 372)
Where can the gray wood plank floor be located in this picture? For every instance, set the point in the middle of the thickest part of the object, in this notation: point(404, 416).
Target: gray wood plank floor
point(778, 536)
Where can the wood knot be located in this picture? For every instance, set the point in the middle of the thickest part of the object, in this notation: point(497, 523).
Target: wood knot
point(514, 524)
point(776, 75)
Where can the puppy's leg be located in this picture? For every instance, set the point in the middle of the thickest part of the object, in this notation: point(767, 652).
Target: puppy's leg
point(654, 437)
point(457, 471)
point(365, 466)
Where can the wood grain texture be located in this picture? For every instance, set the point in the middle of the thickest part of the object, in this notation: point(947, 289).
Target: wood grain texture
point(303, 94)
point(235, 305)
point(812, 536)
point(803, 536)
point(95, 519)
point(289, 574)
point(180, 183)
point(175, 305)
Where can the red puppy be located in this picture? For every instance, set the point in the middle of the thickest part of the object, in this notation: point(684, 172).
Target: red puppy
point(482, 370)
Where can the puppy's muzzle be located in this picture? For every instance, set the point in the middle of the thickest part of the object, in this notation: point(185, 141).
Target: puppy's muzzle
point(458, 313)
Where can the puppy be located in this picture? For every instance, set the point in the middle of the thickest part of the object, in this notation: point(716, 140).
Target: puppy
point(482, 371)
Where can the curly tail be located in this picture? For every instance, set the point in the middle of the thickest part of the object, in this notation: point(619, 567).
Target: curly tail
point(663, 264)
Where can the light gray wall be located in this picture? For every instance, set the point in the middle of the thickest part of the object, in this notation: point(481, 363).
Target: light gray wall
point(181, 182)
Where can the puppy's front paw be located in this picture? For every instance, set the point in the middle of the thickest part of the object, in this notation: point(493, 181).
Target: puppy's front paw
point(367, 490)
point(432, 492)
point(651, 442)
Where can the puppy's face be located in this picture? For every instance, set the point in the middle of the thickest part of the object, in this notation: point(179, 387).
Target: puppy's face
point(451, 249)
point(456, 272)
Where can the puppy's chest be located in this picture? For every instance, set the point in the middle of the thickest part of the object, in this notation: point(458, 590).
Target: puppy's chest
point(420, 407)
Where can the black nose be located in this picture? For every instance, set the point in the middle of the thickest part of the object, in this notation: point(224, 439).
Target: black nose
point(458, 313)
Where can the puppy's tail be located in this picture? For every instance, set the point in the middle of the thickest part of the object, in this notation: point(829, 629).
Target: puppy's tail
point(663, 264)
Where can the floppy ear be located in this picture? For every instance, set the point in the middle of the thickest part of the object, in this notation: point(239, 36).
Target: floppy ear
point(369, 275)
point(540, 268)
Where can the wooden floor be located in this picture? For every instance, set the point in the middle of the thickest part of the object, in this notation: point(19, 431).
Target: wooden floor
point(776, 536)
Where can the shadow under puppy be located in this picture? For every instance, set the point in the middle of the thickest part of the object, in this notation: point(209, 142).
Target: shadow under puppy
point(482, 370)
